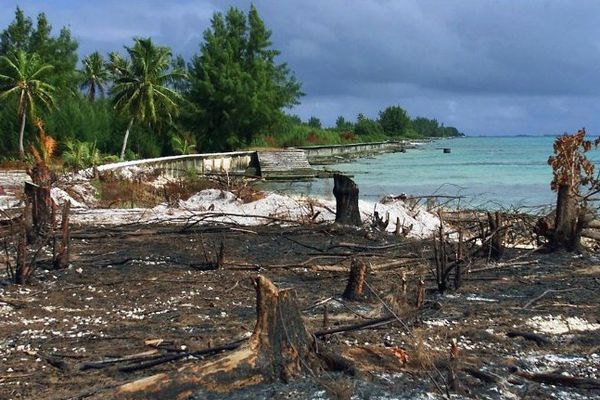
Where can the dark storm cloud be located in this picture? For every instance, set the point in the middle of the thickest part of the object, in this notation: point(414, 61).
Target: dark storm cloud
point(487, 67)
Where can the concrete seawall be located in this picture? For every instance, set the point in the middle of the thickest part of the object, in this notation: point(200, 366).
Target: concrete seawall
point(278, 164)
point(330, 153)
point(233, 163)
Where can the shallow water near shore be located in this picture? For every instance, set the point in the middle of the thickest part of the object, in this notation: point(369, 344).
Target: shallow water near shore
point(490, 172)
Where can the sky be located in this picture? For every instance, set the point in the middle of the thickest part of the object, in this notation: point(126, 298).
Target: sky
point(504, 67)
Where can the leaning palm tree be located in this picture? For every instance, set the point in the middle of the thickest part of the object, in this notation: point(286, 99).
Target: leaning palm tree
point(23, 79)
point(143, 91)
point(94, 75)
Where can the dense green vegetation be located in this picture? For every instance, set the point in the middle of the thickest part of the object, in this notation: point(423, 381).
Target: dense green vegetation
point(142, 101)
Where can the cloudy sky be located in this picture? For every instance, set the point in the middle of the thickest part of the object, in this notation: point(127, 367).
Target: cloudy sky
point(486, 67)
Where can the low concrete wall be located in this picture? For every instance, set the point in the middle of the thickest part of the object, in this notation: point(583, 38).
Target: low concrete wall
point(247, 163)
point(234, 163)
point(317, 154)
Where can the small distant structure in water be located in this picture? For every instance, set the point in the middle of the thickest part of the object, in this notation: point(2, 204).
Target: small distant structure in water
point(445, 149)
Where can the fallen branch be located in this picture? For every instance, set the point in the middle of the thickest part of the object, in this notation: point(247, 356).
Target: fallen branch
point(11, 303)
point(504, 265)
point(548, 292)
point(540, 340)
point(362, 246)
point(111, 361)
point(177, 356)
point(371, 324)
point(482, 375)
point(561, 380)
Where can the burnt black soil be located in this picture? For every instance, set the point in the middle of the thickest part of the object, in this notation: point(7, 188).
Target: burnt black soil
point(133, 284)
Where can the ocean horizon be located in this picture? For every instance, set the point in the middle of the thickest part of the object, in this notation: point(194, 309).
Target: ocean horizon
point(492, 172)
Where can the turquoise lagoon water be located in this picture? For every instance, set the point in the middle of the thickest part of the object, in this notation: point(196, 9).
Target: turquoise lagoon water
point(490, 172)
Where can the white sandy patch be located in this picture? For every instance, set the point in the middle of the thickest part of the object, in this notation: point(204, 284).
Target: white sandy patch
point(582, 365)
point(218, 206)
point(473, 297)
point(60, 197)
point(558, 324)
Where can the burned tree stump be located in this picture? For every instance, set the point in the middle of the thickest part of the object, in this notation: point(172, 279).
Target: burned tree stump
point(41, 206)
point(346, 201)
point(498, 232)
point(61, 255)
point(380, 223)
point(23, 270)
point(279, 349)
point(355, 289)
point(567, 230)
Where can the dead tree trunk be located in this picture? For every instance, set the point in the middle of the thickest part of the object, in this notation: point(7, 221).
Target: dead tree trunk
point(23, 269)
point(42, 206)
point(346, 201)
point(279, 349)
point(442, 270)
point(61, 255)
point(496, 246)
point(567, 232)
point(355, 289)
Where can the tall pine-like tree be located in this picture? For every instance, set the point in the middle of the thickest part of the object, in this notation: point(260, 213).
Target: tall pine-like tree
point(238, 90)
point(59, 51)
point(394, 121)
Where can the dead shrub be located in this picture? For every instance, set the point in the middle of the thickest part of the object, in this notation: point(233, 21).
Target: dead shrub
point(183, 189)
point(115, 191)
point(312, 138)
point(339, 389)
point(421, 356)
point(126, 194)
point(13, 164)
point(348, 136)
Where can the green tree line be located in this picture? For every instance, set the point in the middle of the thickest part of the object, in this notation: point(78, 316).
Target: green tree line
point(143, 101)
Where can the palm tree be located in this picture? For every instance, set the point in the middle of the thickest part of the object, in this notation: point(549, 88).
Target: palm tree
point(94, 75)
point(117, 65)
point(143, 88)
point(24, 80)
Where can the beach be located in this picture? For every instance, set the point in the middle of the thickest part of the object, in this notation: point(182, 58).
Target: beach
point(164, 290)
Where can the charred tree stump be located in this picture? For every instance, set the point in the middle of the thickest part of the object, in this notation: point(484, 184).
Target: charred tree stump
point(279, 349)
point(496, 246)
point(61, 255)
point(23, 270)
point(41, 175)
point(420, 301)
point(398, 229)
point(459, 260)
point(355, 289)
point(567, 230)
point(380, 223)
point(453, 383)
point(346, 201)
point(41, 206)
point(441, 260)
